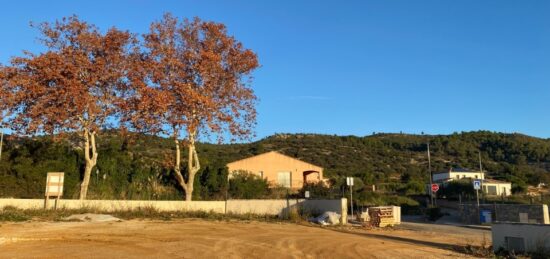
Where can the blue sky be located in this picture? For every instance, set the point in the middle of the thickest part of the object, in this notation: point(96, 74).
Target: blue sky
point(357, 67)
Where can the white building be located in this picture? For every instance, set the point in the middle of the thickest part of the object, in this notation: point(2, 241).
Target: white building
point(457, 174)
point(489, 186)
point(498, 188)
point(521, 237)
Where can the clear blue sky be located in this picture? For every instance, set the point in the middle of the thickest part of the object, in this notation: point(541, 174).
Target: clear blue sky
point(357, 67)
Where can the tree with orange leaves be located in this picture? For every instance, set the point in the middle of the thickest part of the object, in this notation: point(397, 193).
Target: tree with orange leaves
point(5, 104)
point(193, 80)
point(73, 86)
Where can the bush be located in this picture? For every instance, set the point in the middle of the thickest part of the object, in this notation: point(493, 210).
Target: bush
point(317, 191)
point(413, 187)
point(455, 188)
point(243, 185)
point(377, 199)
point(434, 213)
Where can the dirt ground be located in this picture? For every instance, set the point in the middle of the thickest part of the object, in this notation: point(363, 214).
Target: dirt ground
point(195, 238)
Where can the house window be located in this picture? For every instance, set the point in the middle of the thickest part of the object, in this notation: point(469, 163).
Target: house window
point(261, 174)
point(284, 179)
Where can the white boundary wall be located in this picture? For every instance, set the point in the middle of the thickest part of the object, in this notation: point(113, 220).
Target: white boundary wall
point(283, 207)
point(114, 205)
point(532, 236)
point(261, 207)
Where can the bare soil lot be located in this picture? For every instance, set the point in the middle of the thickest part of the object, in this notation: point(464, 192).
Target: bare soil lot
point(196, 238)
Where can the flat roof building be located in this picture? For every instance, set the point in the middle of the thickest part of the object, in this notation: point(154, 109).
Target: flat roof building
point(488, 186)
point(457, 174)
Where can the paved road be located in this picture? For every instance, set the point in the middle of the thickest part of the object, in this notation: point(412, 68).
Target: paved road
point(446, 229)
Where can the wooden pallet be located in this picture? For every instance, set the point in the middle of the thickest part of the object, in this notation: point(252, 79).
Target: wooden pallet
point(381, 217)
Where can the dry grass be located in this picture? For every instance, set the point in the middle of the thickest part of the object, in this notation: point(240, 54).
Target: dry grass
point(482, 250)
point(11, 214)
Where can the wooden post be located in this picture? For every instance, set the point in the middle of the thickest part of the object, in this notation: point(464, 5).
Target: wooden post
point(56, 202)
point(46, 202)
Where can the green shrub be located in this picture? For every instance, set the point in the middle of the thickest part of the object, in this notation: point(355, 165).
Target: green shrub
point(455, 188)
point(434, 213)
point(243, 185)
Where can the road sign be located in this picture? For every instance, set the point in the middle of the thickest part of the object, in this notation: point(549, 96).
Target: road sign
point(435, 187)
point(477, 184)
point(54, 184)
point(349, 181)
point(54, 187)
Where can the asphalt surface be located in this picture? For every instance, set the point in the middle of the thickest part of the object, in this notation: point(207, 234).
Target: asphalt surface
point(447, 229)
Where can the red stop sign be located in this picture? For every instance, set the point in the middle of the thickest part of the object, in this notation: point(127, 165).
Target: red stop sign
point(435, 187)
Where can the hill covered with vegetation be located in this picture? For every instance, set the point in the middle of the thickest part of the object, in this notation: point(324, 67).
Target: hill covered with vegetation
point(136, 166)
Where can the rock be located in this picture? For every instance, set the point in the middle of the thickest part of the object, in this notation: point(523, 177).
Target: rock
point(90, 217)
point(327, 218)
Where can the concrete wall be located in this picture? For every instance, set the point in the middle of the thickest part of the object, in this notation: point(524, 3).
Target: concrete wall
point(532, 237)
point(114, 205)
point(283, 207)
point(261, 207)
point(272, 163)
point(522, 213)
point(270, 207)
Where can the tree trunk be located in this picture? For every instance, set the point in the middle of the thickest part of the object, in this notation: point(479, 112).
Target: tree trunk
point(193, 166)
point(177, 167)
point(91, 161)
point(1, 142)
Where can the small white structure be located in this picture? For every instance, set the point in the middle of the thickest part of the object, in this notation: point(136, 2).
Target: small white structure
point(498, 188)
point(520, 238)
point(457, 174)
point(489, 186)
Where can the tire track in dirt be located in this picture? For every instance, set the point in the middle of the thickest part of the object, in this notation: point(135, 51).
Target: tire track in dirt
point(206, 239)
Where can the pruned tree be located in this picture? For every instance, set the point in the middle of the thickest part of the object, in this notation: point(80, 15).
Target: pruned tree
point(192, 80)
point(73, 86)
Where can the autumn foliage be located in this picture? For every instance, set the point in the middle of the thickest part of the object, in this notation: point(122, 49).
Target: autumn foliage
point(186, 79)
point(191, 80)
point(73, 85)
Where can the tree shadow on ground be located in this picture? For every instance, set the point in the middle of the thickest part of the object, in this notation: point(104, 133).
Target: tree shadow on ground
point(450, 247)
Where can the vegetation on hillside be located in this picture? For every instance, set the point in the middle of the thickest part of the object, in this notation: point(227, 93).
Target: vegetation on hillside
point(136, 166)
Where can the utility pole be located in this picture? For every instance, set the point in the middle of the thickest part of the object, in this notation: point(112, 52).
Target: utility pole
point(351, 197)
point(480, 168)
point(481, 178)
point(349, 182)
point(430, 172)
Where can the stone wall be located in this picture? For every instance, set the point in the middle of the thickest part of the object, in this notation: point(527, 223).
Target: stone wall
point(523, 213)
